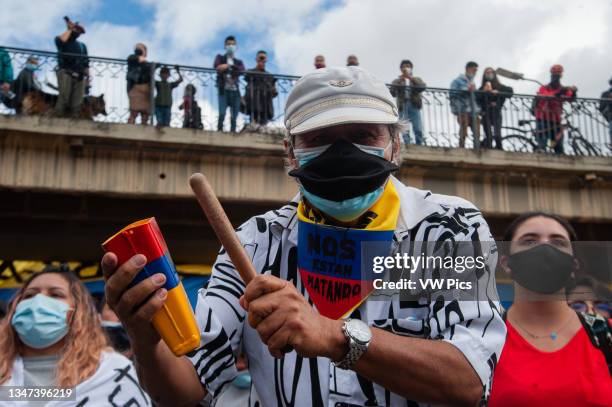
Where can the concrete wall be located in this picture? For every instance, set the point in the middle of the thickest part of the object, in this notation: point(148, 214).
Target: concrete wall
point(42, 154)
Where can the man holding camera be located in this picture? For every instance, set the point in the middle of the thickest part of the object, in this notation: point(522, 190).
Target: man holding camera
point(72, 70)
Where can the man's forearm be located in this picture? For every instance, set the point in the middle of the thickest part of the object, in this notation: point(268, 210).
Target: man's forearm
point(169, 380)
point(65, 36)
point(423, 370)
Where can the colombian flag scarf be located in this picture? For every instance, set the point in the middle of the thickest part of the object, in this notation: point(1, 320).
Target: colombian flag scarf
point(335, 263)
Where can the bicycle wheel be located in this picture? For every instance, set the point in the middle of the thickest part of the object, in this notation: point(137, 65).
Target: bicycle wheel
point(581, 146)
point(519, 143)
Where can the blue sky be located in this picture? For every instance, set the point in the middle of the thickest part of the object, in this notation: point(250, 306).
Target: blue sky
point(439, 36)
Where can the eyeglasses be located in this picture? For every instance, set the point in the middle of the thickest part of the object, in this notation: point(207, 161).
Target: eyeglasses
point(601, 306)
point(366, 138)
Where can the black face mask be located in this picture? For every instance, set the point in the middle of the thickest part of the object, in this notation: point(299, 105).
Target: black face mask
point(543, 269)
point(343, 171)
point(119, 339)
point(138, 52)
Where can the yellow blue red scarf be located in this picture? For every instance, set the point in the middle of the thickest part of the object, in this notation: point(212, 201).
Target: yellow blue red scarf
point(335, 262)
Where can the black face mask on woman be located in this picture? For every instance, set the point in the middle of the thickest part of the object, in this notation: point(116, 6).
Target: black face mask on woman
point(543, 269)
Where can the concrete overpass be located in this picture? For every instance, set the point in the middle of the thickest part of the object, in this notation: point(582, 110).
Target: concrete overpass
point(67, 185)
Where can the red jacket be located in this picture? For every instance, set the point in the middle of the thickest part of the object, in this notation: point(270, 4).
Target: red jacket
point(550, 107)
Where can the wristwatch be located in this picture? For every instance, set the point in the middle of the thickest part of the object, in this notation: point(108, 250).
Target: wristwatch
point(359, 336)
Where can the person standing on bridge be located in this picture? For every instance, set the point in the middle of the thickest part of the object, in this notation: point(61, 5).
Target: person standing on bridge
point(548, 110)
point(139, 84)
point(6, 73)
point(229, 68)
point(73, 70)
point(605, 107)
point(163, 99)
point(313, 339)
point(260, 92)
point(464, 106)
point(26, 82)
point(407, 90)
point(491, 97)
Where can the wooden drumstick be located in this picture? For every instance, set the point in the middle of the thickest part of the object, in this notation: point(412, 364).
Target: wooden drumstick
point(221, 225)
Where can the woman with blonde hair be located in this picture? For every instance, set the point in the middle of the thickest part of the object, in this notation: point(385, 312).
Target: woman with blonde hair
point(51, 336)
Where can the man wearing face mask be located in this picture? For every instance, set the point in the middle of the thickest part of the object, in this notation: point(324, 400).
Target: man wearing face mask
point(73, 69)
point(407, 90)
point(260, 92)
point(548, 110)
point(229, 68)
point(26, 82)
point(315, 336)
point(464, 106)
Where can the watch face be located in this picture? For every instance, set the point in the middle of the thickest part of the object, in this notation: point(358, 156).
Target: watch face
point(359, 331)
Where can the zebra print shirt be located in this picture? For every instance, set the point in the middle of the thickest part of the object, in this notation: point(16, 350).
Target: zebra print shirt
point(474, 327)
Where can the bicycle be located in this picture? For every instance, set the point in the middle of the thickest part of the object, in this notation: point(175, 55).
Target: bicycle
point(526, 139)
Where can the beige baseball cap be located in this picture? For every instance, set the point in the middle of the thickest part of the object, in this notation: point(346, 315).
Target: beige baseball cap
point(338, 95)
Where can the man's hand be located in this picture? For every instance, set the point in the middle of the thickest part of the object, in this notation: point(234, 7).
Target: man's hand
point(283, 318)
point(222, 67)
point(471, 87)
point(134, 306)
point(5, 87)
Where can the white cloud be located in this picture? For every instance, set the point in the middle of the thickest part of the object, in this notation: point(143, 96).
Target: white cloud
point(32, 23)
point(439, 36)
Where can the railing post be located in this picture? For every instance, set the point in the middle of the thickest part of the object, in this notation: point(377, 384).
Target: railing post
point(152, 94)
point(475, 126)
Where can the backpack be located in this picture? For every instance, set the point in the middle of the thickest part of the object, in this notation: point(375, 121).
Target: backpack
point(599, 331)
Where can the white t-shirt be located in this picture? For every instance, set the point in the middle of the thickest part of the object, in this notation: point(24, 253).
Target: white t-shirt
point(114, 383)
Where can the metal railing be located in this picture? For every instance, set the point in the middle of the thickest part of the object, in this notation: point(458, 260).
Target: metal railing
point(585, 130)
point(107, 77)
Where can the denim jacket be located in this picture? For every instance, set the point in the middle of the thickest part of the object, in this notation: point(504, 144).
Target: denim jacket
point(461, 100)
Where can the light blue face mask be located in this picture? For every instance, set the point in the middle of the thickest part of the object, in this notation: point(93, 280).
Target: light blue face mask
point(40, 321)
point(349, 209)
point(31, 67)
point(346, 210)
point(243, 380)
point(230, 49)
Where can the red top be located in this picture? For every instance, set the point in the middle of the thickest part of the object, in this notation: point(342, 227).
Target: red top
point(551, 107)
point(575, 375)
